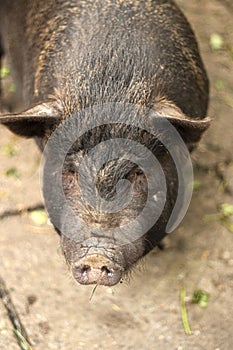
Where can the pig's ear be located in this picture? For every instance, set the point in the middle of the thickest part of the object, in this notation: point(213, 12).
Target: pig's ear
point(191, 130)
point(36, 121)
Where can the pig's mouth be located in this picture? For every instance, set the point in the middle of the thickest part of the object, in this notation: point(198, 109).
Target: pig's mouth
point(96, 269)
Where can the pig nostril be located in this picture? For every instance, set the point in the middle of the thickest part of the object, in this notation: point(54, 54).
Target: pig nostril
point(96, 269)
point(106, 271)
point(84, 269)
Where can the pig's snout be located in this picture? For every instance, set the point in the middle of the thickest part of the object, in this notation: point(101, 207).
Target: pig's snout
point(97, 269)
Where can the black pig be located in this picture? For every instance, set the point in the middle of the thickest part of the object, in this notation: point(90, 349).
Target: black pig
point(128, 66)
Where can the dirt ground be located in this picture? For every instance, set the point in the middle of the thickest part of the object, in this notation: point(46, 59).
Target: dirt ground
point(145, 312)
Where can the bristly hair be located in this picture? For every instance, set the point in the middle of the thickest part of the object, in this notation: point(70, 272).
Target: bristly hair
point(114, 71)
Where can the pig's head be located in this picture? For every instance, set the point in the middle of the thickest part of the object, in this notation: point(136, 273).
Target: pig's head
point(113, 187)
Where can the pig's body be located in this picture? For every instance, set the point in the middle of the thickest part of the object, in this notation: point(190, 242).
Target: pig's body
point(47, 40)
point(67, 56)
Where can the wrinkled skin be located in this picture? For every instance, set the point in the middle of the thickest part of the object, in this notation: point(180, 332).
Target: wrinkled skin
point(67, 56)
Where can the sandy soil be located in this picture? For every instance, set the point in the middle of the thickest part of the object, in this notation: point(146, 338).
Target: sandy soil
point(145, 312)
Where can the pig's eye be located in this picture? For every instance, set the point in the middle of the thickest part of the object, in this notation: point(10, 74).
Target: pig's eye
point(138, 179)
point(70, 168)
point(134, 174)
point(70, 173)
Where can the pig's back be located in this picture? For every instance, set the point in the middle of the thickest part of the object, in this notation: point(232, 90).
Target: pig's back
point(98, 51)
